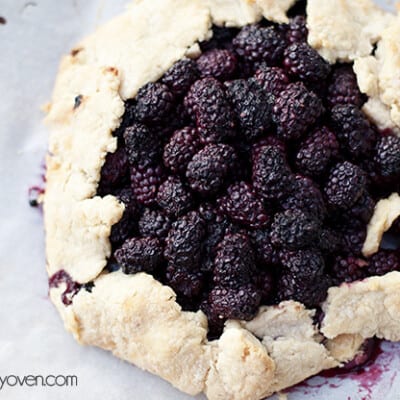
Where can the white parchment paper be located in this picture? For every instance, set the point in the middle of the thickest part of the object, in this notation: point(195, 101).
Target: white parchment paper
point(32, 338)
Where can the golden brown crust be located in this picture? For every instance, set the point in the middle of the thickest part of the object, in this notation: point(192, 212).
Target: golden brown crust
point(134, 316)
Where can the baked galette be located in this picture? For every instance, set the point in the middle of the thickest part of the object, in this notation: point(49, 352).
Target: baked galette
point(220, 176)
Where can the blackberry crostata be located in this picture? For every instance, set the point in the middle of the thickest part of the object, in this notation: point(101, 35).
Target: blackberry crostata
point(219, 180)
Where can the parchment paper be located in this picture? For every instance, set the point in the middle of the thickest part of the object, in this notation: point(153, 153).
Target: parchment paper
point(32, 338)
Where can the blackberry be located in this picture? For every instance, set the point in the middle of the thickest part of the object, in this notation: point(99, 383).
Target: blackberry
point(126, 226)
point(252, 107)
point(353, 130)
point(387, 156)
point(296, 109)
point(128, 118)
point(242, 205)
point(154, 102)
point(307, 197)
point(185, 283)
point(363, 209)
point(349, 269)
point(353, 240)
point(71, 287)
point(272, 177)
point(139, 254)
point(345, 185)
point(265, 285)
point(383, 262)
point(297, 31)
point(265, 252)
point(217, 226)
point(330, 241)
point(294, 229)
point(181, 76)
point(145, 182)
point(142, 145)
point(302, 278)
point(317, 152)
point(184, 242)
point(209, 168)
point(272, 79)
point(154, 223)
point(234, 261)
point(180, 149)
point(221, 38)
point(267, 141)
point(257, 44)
point(234, 303)
point(216, 63)
point(343, 88)
point(115, 171)
point(173, 197)
point(304, 63)
point(206, 101)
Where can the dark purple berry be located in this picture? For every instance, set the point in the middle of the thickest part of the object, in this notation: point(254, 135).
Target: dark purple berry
point(346, 184)
point(304, 63)
point(206, 102)
point(154, 223)
point(363, 209)
point(145, 182)
point(343, 87)
point(272, 177)
point(180, 149)
point(234, 303)
point(128, 119)
point(349, 269)
point(383, 262)
point(139, 254)
point(154, 102)
point(210, 167)
point(295, 229)
point(252, 108)
point(265, 285)
point(353, 130)
point(142, 145)
point(181, 76)
point(126, 226)
point(297, 31)
point(234, 261)
point(184, 242)
point(185, 283)
point(272, 79)
point(259, 44)
point(387, 156)
point(217, 226)
point(330, 241)
point(296, 109)
point(265, 252)
point(114, 171)
point(307, 197)
point(302, 278)
point(221, 38)
point(353, 240)
point(317, 152)
point(243, 206)
point(173, 197)
point(219, 64)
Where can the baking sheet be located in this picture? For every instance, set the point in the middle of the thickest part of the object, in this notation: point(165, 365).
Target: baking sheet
point(32, 338)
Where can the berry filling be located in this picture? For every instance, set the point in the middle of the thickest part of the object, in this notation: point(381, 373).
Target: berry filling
point(249, 176)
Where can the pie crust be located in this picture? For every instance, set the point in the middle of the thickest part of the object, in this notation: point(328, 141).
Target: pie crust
point(281, 346)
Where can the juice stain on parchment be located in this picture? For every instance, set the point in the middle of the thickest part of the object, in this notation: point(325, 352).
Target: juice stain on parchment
point(366, 379)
